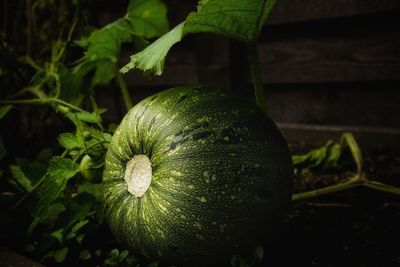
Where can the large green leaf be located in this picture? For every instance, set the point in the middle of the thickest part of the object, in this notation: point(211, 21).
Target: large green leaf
point(99, 63)
point(27, 172)
point(105, 43)
point(54, 211)
point(96, 190)
point(75, 82)
point(238, 19)
point(152, 58)
point(19, 176)
point(79, 127)
point(76, 228)
point(89, 117)
point(144, 19)
point(149, 17)
point(328, 155)
point(60, 170)
point(105, 71)
point(323, 157)
point(76, 211)
point(241, 20)
point(58, 255)
point(68, 141)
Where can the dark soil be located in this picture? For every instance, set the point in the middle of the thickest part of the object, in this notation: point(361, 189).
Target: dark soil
point(360, 227)
point(357, 227)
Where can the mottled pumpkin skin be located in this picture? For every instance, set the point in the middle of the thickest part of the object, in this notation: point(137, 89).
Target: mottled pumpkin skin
point(221, 172)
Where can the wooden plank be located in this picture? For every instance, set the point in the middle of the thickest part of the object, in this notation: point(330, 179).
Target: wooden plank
point(287, 11)
point(12, 259)
point(363, 57)
point(374, 104)
point(202, 58)
point(212, 60)
point(369, 138)
point(338, 50)
point(302, 59)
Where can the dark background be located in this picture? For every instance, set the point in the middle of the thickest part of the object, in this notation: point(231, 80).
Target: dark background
point(323, 62)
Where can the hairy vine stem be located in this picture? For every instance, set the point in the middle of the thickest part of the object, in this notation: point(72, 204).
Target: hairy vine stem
point(88, 148)
point(38, 183)
point(355, 181)
point(40, 101)
point(256, 76)
point(124, 91)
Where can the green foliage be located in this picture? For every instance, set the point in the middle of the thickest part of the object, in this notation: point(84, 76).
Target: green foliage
point(251, 260)
point(88, 117)
point(96, 190)
point(240, 20)
point(4, 110)
point(85, 255)
point(116, 258)
point(152, 58)
point(103, 46)
point(90, 169)
point(69, 141)
point(24, 182)
point(67, 83)
point(148, 17)
point(105, 43)
point(328, 156)
point(63, 208)
point(348, 139)
point(27, 172)
point(59, 255)
point(124, 259)
point(53, 183)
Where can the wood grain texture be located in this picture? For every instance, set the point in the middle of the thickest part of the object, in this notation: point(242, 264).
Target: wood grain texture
point(287, 11)
point(341, 49)
point(302, 59)
point(363, 104)
point(317, 134)
point(11, 259)
point(365, 57)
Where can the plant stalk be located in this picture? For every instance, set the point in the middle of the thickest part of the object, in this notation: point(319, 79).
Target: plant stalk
point(29, 193)
point(124, 91)
point(256, 76)
point(357, 180)
point(382, 187)
point(40, 102)
point(353, 182)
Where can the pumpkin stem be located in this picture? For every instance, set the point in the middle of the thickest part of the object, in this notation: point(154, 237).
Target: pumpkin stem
point(256, 77)
point(138, 175)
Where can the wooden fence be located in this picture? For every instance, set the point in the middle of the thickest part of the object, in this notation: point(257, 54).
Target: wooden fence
point(324, 62)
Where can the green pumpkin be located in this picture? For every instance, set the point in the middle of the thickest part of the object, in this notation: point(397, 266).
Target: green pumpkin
point(193, 173)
